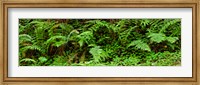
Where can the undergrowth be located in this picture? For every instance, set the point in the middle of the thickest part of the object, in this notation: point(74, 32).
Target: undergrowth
point(99, 42)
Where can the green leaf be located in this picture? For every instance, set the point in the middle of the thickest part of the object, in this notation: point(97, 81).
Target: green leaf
point(56, 41)
point(92, 45)
point(85, 37)
point(140, 45)
point(81, 42)
point(28, 60)
point(42, 59)
point(172, 39)
point(157, 37)
point(32, 47)
point(25, 38)
point(60, 43)
point(168, 23)
point(98, 54)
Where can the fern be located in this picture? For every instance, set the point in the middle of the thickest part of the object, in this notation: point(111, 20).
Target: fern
point(139, 44)
point(66, 28)
point(125, 34)
point(172, 39)
point(52, 29)
point(98, 54)
point(23, 38)
point(119, 25)
point(28, 60)
point(56, 41)
point(99, 42)
point(59, 61)
point(97, 24)
point(42, 59)
point(144, 22)
point(21, 28)
point(168, 23)
point(71, 33)
point(157, 37)
point(155, 25)
point(32, 47)
point(94, 24)
point(39, 32)
point(85, 37)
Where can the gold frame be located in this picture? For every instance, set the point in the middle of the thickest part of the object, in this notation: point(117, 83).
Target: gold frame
point(194, 4)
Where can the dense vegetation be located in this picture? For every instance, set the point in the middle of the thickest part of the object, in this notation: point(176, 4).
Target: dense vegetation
point(99, 42)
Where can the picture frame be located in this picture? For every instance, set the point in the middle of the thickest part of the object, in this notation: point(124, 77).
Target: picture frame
point(194, 4)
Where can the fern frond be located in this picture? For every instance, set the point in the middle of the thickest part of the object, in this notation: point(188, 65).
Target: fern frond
point(168, 23)
point(120, 24)
point(42, 59)
point(25, 38)
point(21, 28)
point(139, 44)
point(51, 30)
point(157, 37)
point(85, 37)
point(145, 22)
point(40, 28)
point(172, 39)
point(155, 25)
point(32, 48)
point(58, 44)
point(125, 34)
point(28, 60)
point(96, 24)
point(56, 41)
point(71, 33)
point(66, 28)
point(39, 32)
point(98, 54)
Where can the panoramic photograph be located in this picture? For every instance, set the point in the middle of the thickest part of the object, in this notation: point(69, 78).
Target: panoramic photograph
point(99, 42)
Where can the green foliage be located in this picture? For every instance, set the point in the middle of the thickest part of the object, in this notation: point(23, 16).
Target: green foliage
point(159, 59)
point(172, 39)
point(98, 54)
point(27, 61)
point(32, 48)
point(140, 45)
point(85, 37)
point(99, 42)
point(59, 61)
point(126, 60)
point(56, 41)
point(42, 59)
point(25, 40)
point(157, 37)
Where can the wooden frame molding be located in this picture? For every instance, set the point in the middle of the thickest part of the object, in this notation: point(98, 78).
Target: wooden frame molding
point(194, 4)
